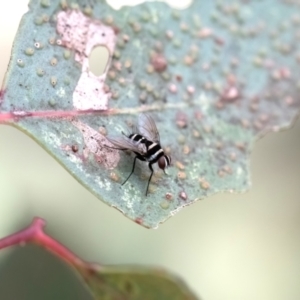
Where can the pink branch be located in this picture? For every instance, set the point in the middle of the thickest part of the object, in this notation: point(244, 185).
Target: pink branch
point(34, 233)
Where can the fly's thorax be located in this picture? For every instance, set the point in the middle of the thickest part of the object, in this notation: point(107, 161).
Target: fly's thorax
point(137, 138)
point(140, 143)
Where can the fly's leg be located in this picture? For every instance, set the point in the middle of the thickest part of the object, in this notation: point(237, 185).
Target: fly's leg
point(151, 169)
point(131, 171)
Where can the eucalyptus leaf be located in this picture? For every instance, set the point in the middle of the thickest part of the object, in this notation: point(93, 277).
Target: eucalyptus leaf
point(214, 77)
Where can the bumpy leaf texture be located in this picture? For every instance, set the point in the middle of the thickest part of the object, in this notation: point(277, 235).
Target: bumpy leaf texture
point(215, 77)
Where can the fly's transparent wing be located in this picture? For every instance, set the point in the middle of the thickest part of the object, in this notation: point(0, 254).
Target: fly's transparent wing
point(125, 143)
point(147, 128)
point(130, 128)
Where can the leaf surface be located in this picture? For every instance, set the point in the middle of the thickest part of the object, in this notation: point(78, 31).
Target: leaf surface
point(134, 283)
point(215, 77)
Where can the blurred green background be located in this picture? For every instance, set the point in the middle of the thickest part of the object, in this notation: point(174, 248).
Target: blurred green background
point(227, 247)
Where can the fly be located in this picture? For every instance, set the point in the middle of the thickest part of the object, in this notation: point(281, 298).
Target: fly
point(145, 144)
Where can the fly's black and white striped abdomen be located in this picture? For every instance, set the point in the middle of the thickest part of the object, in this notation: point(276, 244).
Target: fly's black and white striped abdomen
point(154, 152)
point(145, 144)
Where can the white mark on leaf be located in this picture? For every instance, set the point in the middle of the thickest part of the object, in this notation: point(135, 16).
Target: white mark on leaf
point(82, 34)
point(61, 93)
point(94, 142)
point(205, 103)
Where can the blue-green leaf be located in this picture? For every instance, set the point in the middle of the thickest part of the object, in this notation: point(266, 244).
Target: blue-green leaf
point(215, 77)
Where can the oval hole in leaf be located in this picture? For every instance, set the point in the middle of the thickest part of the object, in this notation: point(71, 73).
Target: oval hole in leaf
point(98, 60)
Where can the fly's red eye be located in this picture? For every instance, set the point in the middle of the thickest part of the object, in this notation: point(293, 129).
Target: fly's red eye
point(162, 163)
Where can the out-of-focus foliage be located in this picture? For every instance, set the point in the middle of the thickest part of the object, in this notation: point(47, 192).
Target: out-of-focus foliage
point(106, 282)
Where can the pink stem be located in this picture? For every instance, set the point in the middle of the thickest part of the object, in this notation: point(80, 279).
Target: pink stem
point(15, 115)
point(34, 233)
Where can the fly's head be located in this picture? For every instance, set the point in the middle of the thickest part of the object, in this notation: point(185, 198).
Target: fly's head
point(164, 162)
